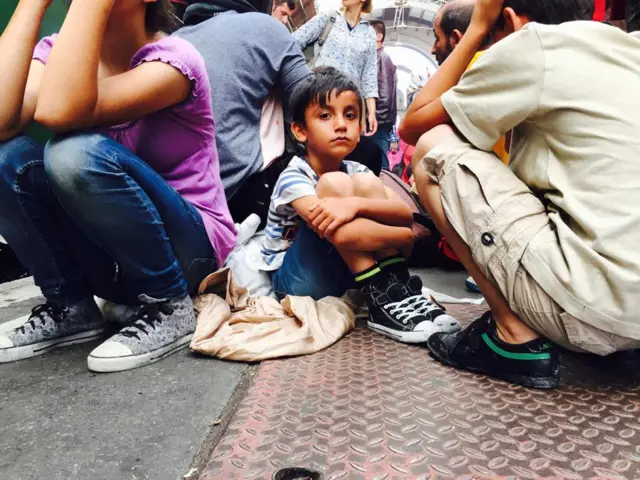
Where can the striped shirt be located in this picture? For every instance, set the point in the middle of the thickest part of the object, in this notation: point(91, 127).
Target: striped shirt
point(296, 181)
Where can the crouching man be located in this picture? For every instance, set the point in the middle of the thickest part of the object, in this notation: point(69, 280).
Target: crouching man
point(553, 239)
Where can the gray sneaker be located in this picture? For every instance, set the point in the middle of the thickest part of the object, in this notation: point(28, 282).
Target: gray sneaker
point(160, 328)
point(50, 326)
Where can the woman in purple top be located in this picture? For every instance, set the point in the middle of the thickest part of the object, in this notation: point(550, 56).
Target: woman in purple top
point(126, 202)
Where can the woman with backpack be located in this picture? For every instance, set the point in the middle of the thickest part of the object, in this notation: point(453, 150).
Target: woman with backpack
point(126, 203)
point(350, 46)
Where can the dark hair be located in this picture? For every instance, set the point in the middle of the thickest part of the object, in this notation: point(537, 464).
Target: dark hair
point(549, 12)
point(456, 16)
point(633, 16)
point(161, 17)
point(317, 88)
point(290, 3)
point(379, 27)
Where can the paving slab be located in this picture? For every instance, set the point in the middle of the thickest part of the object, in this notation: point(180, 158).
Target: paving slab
point(61, 422)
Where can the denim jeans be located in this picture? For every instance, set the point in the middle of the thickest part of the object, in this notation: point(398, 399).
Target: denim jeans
point(381, 139)
point(312, 267)
point(88, 217)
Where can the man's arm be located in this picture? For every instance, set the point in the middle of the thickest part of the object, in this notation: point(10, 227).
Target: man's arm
point(427, 111)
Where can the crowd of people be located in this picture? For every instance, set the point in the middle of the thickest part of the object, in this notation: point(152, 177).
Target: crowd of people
point(168, 134)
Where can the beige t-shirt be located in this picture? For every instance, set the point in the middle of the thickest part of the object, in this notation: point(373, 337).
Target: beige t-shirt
point(572, 95)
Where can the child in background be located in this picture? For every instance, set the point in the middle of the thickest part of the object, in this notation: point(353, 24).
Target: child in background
point(332, 224)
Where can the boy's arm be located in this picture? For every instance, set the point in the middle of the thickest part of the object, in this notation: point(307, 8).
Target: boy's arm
point(326, 215)
point(390, 211)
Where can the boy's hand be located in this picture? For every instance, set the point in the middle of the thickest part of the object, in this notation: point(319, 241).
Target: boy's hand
point(329, 214)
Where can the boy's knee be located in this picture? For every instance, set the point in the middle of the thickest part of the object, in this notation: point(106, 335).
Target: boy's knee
point(367, 185)
point(335, 184)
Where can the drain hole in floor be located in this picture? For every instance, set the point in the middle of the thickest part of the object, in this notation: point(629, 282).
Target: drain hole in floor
point(296, 474)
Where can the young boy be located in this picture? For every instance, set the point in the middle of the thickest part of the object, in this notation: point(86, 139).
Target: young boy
point(332, 224)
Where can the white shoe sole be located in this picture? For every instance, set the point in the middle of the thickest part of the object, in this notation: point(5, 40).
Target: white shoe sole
point(415, 337)
point(13, 354)
point(120, 364)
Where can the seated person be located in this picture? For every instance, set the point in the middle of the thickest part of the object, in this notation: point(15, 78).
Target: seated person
point(552, 240)
point(249, 56)
point(127, 204)
point(333, 225)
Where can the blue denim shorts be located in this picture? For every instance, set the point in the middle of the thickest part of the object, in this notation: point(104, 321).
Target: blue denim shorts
point(313, 268)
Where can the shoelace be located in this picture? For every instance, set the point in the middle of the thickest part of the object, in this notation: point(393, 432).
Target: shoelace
point(403, 310)
point(147, 316)
point(422, 305)
point(54, 311)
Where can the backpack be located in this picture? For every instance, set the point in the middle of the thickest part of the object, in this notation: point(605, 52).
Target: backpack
point(428, 250)
point(312, 52)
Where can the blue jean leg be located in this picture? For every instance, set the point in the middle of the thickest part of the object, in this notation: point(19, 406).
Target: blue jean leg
point(381, 139)
point(312, 267)
point(129, 212)
point(31, 221)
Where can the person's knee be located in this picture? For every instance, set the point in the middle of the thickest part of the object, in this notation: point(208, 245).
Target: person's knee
point(69, 161)
point(428, 141)
point(335, 184)
point(16, 155)
point(367, 185)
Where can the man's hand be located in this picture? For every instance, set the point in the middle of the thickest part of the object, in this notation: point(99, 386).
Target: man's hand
point(329, 214)
point(486, 14)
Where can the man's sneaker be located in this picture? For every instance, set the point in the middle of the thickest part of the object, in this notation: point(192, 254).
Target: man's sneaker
point(471, 285)
point(478, 349)
point(50, 326)
point(394, 313)
point(159, 329)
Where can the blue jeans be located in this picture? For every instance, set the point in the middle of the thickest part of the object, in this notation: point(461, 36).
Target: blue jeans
point(88, 217)
point(381, 139)
point(313, 268)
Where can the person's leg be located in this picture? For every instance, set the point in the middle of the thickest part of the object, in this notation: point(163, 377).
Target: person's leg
point(510, 328)
point(470, 193)
point(144, 225)
point(381, 139)
point(312, 267)
point(394, 306)
point(33, 223)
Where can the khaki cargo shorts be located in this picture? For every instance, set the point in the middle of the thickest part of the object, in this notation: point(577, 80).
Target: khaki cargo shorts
point(497, 215)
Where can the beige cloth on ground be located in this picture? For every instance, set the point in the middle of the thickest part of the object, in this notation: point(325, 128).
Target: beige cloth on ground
point(235, 326)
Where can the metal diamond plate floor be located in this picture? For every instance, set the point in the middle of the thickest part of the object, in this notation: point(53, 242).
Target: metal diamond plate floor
point(371, 408)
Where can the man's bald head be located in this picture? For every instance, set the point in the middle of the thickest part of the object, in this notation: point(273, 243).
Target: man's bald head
point(449, 25)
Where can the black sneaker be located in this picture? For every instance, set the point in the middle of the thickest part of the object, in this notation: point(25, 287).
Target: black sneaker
point(478, 349)
point(394, 313)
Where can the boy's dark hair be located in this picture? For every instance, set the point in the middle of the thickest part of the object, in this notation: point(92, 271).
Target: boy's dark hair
point(317, 88)
point(379, 27)
point(456, 16)
point(290, 3)
point(550, 12)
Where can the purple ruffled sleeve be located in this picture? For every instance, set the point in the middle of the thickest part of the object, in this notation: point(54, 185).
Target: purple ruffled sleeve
point(181, 55)
point(43, 48)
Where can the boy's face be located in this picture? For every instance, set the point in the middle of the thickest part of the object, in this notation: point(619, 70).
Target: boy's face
point(332, 132)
